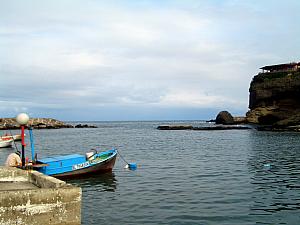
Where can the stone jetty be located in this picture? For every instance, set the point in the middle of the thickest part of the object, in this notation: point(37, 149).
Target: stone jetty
point(30, 197)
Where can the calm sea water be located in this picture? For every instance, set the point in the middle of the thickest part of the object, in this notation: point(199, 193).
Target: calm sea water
point(184, 177)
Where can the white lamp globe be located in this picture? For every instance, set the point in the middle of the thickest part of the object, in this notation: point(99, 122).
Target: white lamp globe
point(22, 118)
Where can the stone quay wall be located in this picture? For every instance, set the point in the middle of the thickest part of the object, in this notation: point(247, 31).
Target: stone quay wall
point(29, 197)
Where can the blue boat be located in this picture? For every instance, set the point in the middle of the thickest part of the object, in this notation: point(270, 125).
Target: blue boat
point(77, 165)
point(74, 165)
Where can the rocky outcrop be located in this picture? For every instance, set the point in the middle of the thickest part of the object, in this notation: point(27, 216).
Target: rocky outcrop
point(189, 127)
point(240, 120)
point(274, 99)
point(236, 120)
point(175, 127)
point(85, 126)
point(37, 123)
point(224, 117)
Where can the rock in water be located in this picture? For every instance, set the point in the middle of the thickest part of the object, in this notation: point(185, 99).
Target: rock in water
point(224, 117)
point(85, 126)
point(175, 127)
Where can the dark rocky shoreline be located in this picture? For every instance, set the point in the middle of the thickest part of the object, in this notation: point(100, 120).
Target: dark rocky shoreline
point(40, 123)
point(231, 127)
point(189, 127)
point(274, 102)
point(279, 128)
point(225, 121)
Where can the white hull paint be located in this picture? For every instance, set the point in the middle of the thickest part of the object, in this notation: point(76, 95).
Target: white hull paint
point(7, 143)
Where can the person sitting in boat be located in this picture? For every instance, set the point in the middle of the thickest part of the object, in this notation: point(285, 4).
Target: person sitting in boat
point(13, 159)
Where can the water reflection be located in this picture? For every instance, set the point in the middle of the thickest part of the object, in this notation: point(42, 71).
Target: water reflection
point(4, 152)
point(275, 170)
point(100, 182)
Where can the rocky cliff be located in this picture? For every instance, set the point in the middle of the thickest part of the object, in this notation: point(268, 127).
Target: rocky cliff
point(275, 99)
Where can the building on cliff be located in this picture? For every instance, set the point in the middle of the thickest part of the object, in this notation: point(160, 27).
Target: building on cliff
point(294, 66)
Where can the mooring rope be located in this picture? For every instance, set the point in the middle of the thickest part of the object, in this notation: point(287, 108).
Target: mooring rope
point(119, 153)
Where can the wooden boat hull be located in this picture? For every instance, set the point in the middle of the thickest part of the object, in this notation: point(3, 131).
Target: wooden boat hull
point(77, 165)
point(5, 143)
point(96, 169)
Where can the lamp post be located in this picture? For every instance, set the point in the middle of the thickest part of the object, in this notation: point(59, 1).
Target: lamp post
point(22, 119)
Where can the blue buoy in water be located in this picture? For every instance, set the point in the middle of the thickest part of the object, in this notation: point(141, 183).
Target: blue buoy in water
point(131, 166)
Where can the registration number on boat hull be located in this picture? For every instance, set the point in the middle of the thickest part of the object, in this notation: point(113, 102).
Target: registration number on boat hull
point(80, 165)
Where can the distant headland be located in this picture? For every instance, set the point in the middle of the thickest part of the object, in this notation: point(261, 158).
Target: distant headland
point(273, 102)
point(39, 123)
point(274, 98)
point(274, 95)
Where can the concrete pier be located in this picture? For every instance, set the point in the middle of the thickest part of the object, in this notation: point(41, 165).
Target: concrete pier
point(29, 197)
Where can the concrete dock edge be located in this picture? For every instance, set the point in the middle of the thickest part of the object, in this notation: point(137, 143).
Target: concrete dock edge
point(29, 197)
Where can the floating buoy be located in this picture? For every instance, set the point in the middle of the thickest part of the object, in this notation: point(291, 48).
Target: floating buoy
point(131, 166)
point(268, 166)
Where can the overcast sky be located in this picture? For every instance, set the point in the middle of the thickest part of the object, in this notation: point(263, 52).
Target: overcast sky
point(138, 59)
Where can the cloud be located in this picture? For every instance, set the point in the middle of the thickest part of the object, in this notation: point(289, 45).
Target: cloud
point(60, 55)
point(198, 99)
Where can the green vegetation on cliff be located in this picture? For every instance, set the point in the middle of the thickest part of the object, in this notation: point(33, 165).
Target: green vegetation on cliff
point(261, 77)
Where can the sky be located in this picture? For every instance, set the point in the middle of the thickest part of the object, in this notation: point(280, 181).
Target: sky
point(139, 59)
